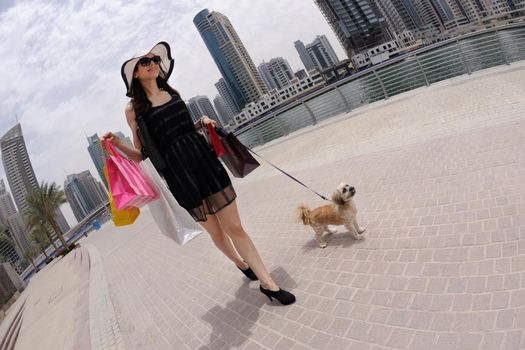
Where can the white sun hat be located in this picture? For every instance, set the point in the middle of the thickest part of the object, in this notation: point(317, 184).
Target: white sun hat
point(162, 50)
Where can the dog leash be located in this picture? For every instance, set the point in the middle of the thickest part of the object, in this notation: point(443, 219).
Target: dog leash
point(221, 131)
point(285, 173)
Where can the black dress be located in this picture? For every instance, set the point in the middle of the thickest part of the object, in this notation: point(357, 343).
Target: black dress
point(195, 176)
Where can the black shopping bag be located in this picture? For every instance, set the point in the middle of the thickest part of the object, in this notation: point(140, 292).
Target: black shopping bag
point(237, 158)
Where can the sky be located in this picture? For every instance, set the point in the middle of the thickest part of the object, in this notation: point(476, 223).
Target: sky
point(61, 62)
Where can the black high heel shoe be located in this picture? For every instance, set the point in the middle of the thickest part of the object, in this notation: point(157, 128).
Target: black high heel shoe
point(283, 296)
point(249, 273)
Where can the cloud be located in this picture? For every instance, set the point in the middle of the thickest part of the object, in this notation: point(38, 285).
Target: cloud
point(61, 63)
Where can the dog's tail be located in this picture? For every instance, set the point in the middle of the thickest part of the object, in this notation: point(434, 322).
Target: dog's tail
point(303, 214)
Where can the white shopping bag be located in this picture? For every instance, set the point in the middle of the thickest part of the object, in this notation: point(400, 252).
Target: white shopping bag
point(173, 221)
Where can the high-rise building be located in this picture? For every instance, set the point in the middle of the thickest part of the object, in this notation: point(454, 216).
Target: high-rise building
point(459, 12)
point(19, 232)
point(429, 15)
point(8, 248)
point(451, 13)
point(402, 16)
point(19, 172)
point(242, 79)
point(357, 24)
point(473, 9)
point(322, 52)
point(11, 220)
point(200, 106)
point(124, 138)
point(95, 152)
point(392, 16)
point(443, 10)
point(405, 22)
point(319, 54)
point(304, 55)
point(7, 206)
point(18, 168)
point(10, 282)
point(223, 111)
point(224, 92)
point(61, 221)
point(496, 7)
point(83, 194)
point(277, 73)
point(516, 4)
point(301, 74)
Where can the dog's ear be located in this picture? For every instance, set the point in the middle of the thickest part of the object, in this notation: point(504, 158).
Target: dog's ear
point(337, 198)
point(342, 188)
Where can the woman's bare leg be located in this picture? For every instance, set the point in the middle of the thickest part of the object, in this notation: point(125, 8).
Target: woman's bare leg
point(231, 223)
point(222, 240)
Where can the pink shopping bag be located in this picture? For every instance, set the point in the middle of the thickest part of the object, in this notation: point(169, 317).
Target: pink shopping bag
point(129, 185)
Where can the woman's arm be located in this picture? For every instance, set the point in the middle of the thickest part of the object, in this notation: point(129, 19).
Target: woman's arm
point(133, 153)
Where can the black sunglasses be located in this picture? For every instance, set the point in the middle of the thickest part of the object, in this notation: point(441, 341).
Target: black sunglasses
point(145, 61)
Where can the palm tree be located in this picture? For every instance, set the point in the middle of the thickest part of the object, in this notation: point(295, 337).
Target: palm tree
point(43, 203)
point(31, 254)
point(36, 223)
point(39, 235)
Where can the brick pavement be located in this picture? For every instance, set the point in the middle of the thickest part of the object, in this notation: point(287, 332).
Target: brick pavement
point(103, 325)
point(440, 185)
point(55, 314)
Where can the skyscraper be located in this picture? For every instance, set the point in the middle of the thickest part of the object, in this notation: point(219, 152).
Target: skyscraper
point(223, 111)
point(393, 18)
point(429, 15)
point(357, 24)
point(200, 106)
point(7, 213)
point(516, 4)
point(83, 194)
point(319, 53)
point(400, 15)
point(304, 55)
point(301, 74)
point(224, 92)
point(472, 9)
point(443, 10)
point(19, 232)
point(18, 168)
point(242, 79)
point(7, 207)
point(495, 7)
point(19, 172)
point(95, 151)
point(8, 248)
point(277, 73)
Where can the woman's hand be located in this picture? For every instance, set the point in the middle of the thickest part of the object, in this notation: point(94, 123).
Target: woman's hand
point(205, 121)
point(114, 139)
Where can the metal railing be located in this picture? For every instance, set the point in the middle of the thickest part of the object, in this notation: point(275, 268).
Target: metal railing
point(422, 67)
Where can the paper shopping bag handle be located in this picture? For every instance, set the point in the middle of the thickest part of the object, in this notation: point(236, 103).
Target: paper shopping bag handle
point(111, 149)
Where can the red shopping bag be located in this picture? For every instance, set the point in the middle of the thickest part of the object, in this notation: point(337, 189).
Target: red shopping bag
point(215, 141)
point(129, 185)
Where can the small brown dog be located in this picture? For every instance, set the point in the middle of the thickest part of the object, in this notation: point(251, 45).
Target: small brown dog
point(341, 212)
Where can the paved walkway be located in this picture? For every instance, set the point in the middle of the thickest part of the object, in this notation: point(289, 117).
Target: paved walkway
point(440, 179)
point(55, 307)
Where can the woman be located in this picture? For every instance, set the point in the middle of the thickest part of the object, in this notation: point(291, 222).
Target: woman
point(195, 176)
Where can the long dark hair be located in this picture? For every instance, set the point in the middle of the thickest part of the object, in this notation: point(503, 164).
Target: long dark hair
point(140, 101)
